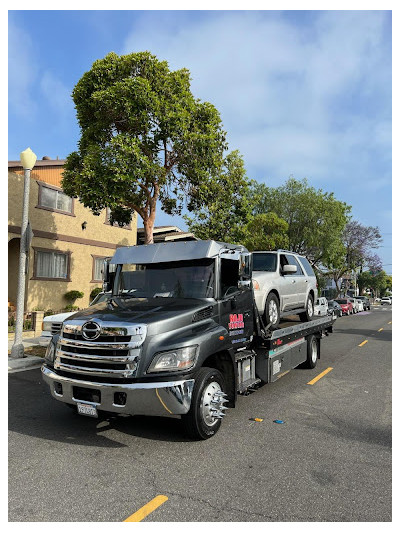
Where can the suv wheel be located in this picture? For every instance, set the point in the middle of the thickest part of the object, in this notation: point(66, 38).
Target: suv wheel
point(272, 312)
point(309, 312)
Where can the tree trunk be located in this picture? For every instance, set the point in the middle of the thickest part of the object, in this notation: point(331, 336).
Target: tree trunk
point(148, 226)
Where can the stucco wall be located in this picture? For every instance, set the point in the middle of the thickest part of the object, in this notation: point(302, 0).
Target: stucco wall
point(55, 231)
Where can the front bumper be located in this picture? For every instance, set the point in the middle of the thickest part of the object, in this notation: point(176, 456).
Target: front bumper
point(45, 339)
point(154, 399)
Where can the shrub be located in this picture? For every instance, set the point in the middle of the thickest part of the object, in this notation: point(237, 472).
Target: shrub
point(95, 292)
point(71, 296)
point(71, 307)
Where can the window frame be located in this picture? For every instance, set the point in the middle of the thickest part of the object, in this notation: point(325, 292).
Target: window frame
point(94, 257)
point(35, 276)
point(39, 205)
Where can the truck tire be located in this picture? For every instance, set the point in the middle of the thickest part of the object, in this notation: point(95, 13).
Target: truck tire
point(204, 419)
point(272, 314)
point(309, 312)
point(312, 352)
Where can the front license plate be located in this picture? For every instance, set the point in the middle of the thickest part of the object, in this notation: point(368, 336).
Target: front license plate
point(87, 410)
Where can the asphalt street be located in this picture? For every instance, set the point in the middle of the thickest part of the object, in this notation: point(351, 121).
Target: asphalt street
point(329, 461)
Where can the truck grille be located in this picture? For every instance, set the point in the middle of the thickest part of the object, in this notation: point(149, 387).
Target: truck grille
point(56, 328)
point(114, 353)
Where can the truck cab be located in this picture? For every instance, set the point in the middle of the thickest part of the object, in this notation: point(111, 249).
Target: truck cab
point(175, 310)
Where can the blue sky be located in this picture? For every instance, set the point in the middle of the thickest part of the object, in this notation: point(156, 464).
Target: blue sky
point(302, 93)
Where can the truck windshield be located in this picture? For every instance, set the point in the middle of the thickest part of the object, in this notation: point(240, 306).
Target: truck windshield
point(264, 262)
point(183, 279)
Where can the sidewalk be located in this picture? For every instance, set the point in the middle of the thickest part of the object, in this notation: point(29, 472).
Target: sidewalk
point(25, 362)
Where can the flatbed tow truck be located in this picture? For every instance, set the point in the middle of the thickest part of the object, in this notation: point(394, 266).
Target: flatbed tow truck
point(180, 336)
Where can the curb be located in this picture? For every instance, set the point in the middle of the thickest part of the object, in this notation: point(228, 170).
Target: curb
point(24, 362)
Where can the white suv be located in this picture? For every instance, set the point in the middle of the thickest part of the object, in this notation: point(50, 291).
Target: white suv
point(284, 283)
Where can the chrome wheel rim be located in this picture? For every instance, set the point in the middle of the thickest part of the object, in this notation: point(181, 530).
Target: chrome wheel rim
point(211, 403)
point(314, 351)
point(273, 312)
point(310, 307)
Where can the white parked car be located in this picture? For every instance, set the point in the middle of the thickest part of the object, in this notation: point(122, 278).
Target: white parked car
point(321, 306)
point(359, 305)
point(386, 300)
point(52, 323)
point(284, 283)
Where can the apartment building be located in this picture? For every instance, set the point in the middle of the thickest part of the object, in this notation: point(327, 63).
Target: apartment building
point(69, 243)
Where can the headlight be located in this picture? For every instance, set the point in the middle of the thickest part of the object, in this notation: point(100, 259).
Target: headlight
point(179, 359)
point(49, 355)
point(46, 326)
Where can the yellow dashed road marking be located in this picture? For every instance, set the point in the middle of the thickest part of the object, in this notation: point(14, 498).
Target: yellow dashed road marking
point(380, 329)
point(363, 342)
point(147, 509)
point(389, 322)
point(320, 376)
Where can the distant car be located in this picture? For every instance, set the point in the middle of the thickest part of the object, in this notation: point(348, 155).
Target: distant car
point(355, 305)
point(334, 308)
point(366, 302)
point(52, 323)
point(321, 306)
point(346, 305)
point(386, 300)
point(359, 305)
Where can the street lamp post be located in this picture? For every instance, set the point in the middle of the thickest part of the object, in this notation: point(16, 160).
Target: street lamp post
point(28, 160)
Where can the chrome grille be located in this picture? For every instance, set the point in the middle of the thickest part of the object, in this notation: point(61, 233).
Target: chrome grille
point(115, 353)
point(56, 328)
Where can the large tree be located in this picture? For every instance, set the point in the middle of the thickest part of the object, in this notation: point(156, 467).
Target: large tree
point(358, 241)
point(316, 219)
point(144, 139)
point(227, 210)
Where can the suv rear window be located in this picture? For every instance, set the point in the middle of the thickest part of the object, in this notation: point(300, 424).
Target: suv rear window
point(306, 265)
point(264, 262)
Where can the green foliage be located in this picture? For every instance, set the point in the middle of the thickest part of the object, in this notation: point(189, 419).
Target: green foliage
point(144, 138)
point(315, 219)
point(364, 281)
point(71, 307)
point(95, 292)
point(71, 296)
point(266, 232)
point(225, 208)
point(49, 312)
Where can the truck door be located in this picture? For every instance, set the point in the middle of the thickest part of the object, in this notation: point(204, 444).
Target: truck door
point(235, 304)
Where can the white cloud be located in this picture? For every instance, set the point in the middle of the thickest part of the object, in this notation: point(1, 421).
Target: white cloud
point(289, 93)
point(21, 72)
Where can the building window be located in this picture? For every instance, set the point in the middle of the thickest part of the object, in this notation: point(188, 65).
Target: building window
point(97, 272)
point(51, 265)
point(54, 199)
point(116, 225)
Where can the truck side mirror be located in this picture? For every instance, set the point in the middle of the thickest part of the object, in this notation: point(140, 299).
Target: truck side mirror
point(245, 265)
point(108, 275)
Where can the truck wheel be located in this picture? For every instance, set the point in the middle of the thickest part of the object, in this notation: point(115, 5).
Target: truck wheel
point(312, 352)
point(309, 312)
point(207, 409)
point(272, 311)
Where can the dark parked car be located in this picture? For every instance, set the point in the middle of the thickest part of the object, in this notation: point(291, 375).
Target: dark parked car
point(346, 305)
point(366, 302)
point(334, 308)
